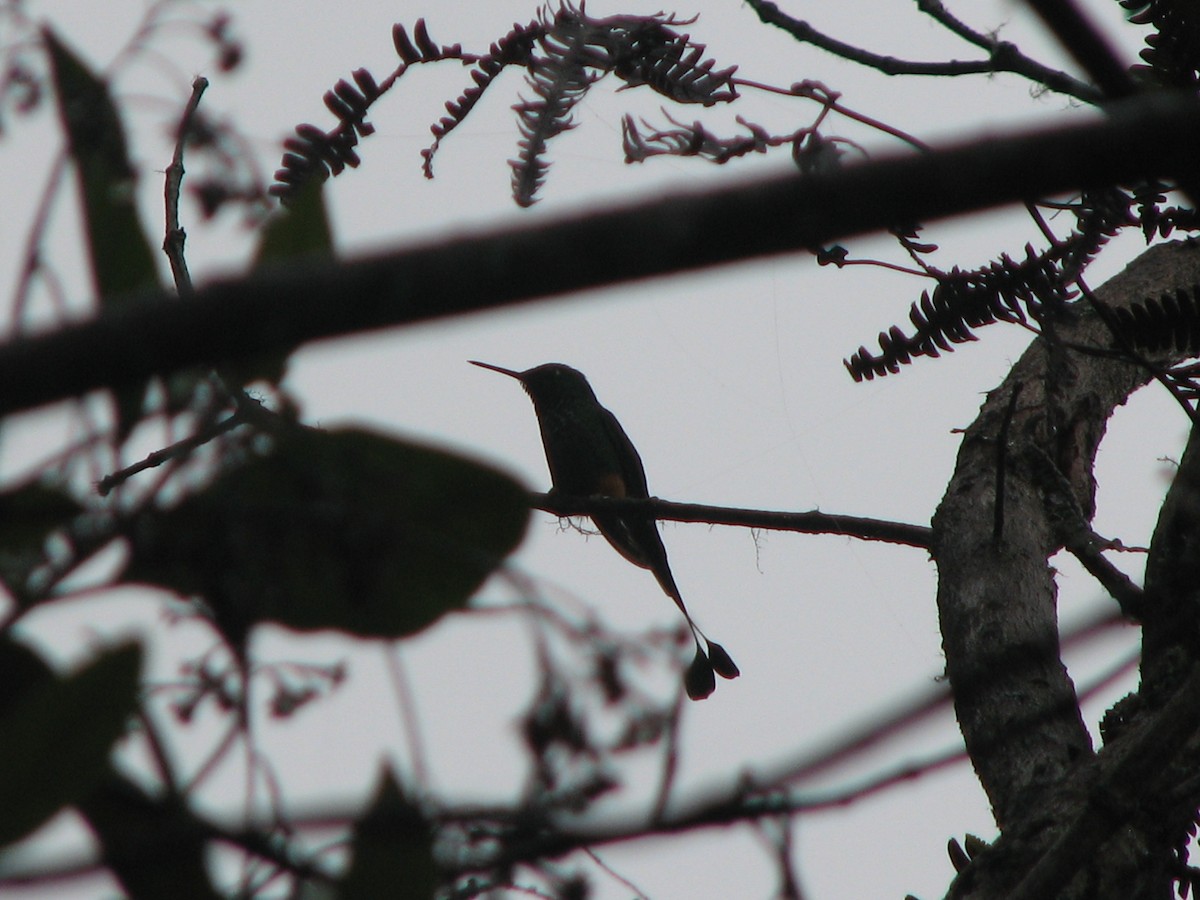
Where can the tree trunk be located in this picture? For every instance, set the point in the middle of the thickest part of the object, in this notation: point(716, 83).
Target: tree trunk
point(1074, 822)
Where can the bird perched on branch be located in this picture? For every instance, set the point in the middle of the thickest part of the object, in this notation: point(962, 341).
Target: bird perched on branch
point(589, 454)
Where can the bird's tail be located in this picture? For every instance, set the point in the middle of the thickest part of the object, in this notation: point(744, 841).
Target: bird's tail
point(711, 658)
point(700, 678)
point(643, 547)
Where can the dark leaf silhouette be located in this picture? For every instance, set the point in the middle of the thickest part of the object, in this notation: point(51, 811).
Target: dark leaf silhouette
point(345, 530)
point(122, 263)
point(56, 733)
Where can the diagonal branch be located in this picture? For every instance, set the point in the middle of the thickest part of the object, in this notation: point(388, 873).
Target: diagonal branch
point(1002, 55)
point(176, 237)
point(1089, 47)
point(280, 309)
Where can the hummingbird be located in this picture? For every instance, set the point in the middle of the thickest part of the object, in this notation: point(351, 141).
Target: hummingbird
point(589, 454)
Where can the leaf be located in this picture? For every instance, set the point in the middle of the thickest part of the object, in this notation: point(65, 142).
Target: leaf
point(392, 850)
point(347, 530)
point(56, 733)
point(152, 845)
point(299, 231)
point(28, 515)
point(121, 260)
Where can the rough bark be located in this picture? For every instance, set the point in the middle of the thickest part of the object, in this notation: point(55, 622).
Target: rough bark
point(1057, 802)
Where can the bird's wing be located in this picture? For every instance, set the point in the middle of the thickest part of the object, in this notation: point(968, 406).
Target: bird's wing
point(633, 473)
point(634, 538)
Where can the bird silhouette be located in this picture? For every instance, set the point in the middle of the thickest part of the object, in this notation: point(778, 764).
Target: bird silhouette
point(589, 454)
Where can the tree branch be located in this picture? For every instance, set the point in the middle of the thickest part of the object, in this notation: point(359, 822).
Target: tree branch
point(1089, 47)
point(1076, 535)
point(1002, 55)
point(286, 306)
point(813, 522)
point(1132, 772)
point(176, 236)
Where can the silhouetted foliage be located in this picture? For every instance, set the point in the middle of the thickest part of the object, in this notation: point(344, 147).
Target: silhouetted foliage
point(1169, 322)
point(254, 519)
point(1172, 53)
point(563, 53)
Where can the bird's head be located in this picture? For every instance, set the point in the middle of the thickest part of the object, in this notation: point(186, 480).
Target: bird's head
point(548, 382)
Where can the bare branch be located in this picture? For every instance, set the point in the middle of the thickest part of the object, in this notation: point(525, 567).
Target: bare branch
point(1089, 47)
point(813, 522)
point(1003, 56)
point(175, 237)
point(282, 308)
point(178, 450)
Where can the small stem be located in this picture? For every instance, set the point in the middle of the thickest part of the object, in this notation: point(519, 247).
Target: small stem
point(176, 236)
point(177, 450)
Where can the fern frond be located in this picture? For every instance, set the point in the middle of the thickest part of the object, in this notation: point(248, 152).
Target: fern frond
point(564, 53)
point(315, 154)
point(421, 47)
point(1168, 322)
point(647, 51)
point(962, 301)
point(515, 48)
point(1160, 221)
point(695, 140)
point(1005, 290)
point(1172, 51)
point(312, 153)
point(559, 80)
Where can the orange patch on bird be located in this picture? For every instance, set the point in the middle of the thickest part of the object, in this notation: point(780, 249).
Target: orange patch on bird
point(611, 485)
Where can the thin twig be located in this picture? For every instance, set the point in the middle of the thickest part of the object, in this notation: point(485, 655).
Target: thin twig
point(1085, 545)
point(158, 751)
point(938, 12)
point(670, 763)
point(1077, 536)
point(1003, 57)
point(638, 893)
point(176, 236)
point(881, 264)
point(815, 90)
point(209, 765)
point(406, 701)
point(175, 451)
point(32, 255)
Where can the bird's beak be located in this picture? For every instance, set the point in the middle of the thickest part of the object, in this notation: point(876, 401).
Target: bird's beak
point(502, 371)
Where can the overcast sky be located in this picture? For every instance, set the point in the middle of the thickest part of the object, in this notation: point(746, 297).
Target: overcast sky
point(730, 383)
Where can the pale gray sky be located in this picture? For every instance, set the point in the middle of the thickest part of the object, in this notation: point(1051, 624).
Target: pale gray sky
point(730, 383)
